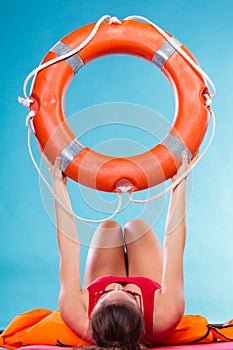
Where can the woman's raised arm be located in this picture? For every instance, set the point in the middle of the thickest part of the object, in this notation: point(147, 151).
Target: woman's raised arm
point(170, 302)
point(71, 297)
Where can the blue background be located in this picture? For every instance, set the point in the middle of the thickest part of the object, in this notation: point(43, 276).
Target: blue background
point(29, 255)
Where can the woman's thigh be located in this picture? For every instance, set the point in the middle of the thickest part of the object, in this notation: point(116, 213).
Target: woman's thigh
point(106, 253)
point(144, 250)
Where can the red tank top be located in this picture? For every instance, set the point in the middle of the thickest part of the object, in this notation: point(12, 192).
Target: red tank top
point(147, 287)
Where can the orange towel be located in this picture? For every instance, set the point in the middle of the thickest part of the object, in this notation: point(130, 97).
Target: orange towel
point(39, 326)
point(12, 337)
point(191, 329)
point(224, 332)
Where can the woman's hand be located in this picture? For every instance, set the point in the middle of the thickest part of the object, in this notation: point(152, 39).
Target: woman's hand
point(55, 169)
point(185, 165)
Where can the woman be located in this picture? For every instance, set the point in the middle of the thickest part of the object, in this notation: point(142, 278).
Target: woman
point(117, 308)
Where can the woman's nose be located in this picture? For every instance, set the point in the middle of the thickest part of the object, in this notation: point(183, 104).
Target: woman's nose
point(118, 286)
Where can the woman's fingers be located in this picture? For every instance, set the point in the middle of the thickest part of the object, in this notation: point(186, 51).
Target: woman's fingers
point(184, 157)
point(57, 163)
point(54, 168)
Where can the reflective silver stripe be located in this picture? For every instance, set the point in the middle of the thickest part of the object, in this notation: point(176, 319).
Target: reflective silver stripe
point(74, 61)
point(69, 153)
point(163, 54)
point(176, 146)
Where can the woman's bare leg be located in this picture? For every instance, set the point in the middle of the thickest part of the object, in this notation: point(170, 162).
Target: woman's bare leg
point(106, 253)
point(144, 250)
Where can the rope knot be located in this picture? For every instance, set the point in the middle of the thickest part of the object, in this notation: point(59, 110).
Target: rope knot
point(114, 20)
point(124, 189)
point(29, 117)
point(208, 100)
point(26, 102)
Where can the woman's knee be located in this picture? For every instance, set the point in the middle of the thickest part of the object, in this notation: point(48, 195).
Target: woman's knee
point(108, 234)
point(134, 229)
point(110, 225)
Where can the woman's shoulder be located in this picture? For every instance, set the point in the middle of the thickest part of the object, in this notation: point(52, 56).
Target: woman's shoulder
point(166, 316)
point(74, 311)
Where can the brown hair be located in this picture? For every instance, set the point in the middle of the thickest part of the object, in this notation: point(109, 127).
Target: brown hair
point(117, 325)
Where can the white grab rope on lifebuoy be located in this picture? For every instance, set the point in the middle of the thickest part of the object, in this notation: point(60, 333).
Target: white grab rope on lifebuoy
point(181, 177)
point(178, 49)
point(26, 101)
point(121, 190)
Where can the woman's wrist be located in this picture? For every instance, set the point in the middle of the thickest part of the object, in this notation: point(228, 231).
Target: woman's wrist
point(181, 185)
point(58, 184)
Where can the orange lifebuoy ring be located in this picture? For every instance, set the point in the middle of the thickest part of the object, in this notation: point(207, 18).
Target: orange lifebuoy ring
point(103, 172)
